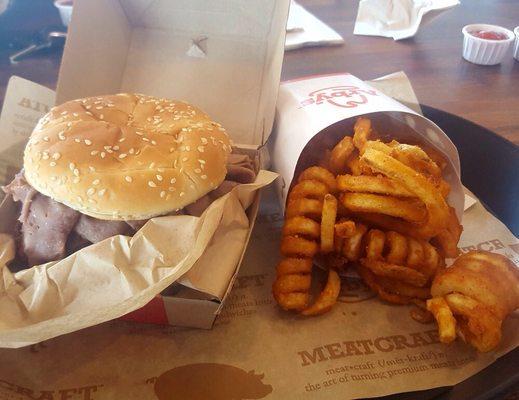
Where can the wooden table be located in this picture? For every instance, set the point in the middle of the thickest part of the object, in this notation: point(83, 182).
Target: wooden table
point(487, 95)
point(432, 60)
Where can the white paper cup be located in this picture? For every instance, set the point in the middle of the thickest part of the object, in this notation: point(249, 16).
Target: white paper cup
point(485, 51)
point(516, 45)
point(65, 10)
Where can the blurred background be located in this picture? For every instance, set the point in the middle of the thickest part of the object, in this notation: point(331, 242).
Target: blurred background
point(26, 23)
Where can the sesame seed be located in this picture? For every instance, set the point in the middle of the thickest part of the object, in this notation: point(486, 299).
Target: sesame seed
point(160, 169)
point(107, 147)
point(72, 166)
point(77, 140)
point(45, 155)
point(61, 136)
point(99, 107)
point(101, 116)
point(79, 198)
point(145, 139)
point(198, 170)
point(92, 169)
point(76, 172)
point(88, 142)
point(152, 165)
point(121, 140)
point(64, 113)
point(163, 194)
point(203, 140)
point(123, 155)
point(95, 182)
point(131, 151)
point(94, 152)
point(91, 191)
point(200, 149)
point(201, 161)
point(173, 180)
point(139, 133)
point(204, 177)
point(171, 189)
point(181, 194)
point(184, 159)
point(109, 151)
point(171, 149)
point(152, 184)
point(52, 164)
point(103, 154)
point(159, 177)
point(75, 114)
point(128, 179)
point(45, 138)
point(101, 192)
point(115, 147)
point(89, 113)
point(153, 142)
point(56, 156)
point(88, 107)
point(188, 148)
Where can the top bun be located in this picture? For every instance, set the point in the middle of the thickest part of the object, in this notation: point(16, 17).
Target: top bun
point(126, 156)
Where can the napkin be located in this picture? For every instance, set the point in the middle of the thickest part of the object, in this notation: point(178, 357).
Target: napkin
point(304, 29)
point(398, 19)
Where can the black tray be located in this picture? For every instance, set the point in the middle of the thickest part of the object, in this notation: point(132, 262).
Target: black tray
point(490, 169)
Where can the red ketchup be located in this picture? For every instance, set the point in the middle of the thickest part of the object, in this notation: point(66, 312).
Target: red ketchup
point(489, 35)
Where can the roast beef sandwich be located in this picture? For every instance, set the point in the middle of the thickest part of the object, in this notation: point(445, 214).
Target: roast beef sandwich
point(102, 166)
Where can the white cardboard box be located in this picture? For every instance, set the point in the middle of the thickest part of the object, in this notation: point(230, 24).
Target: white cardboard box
point(223, 56)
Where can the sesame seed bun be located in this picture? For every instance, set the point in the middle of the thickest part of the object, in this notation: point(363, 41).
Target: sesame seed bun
point(126, 156)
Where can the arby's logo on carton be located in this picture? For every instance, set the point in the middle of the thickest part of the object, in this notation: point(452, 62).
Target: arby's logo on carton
point(345, 96)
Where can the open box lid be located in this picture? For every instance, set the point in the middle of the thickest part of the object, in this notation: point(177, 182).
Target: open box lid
point(223, 56)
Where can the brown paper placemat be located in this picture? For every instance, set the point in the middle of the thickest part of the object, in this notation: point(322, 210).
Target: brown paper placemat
point(362, 348)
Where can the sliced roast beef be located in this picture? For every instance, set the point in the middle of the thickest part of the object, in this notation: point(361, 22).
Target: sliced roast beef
point(198, 207)
point(21, 191)
point(240, 159)
point(75, 243)
point(223, 189)
point(46, 223)
point(137, 224)
point(46, 229)
point(94, 230)
point(240, 169)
